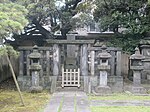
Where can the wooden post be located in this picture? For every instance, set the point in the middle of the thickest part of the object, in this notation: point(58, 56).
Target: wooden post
point(15, 80)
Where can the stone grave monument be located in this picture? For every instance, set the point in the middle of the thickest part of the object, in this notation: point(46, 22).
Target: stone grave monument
point(137, 67)
point(35, 68)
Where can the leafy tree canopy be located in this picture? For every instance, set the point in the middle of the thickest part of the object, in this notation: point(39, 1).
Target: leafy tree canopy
point(130, 16)
point(12, 18)
point(47, 12)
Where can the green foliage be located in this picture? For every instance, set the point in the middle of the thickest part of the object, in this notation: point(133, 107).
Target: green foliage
point(4, 50)
point(127, 42)
point(81, 20)
point(12, 18)
point(130, 16)
point(34, 102)
point(38, 9)
point(46, 12)
point(120, 96)
point(120, 109)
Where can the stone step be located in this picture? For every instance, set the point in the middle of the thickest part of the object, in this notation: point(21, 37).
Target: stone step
point(69, 89)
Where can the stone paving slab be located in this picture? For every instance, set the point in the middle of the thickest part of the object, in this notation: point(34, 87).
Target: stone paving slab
point(119, 103)
point(68, 103)
point(82, 102)
point(54, 103)
point(72, 101)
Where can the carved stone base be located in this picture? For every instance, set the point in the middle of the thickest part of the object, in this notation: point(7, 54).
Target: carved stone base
point(102, 90)
point(138, 89)
point(36, 89)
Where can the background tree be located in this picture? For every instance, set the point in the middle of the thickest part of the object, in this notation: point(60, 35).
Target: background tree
point(84, 17)
point(12, 20)
point(130, 16)
point(48, 12)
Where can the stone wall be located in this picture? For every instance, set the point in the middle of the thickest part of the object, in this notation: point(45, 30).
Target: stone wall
point(5, 72)
point(25, 82)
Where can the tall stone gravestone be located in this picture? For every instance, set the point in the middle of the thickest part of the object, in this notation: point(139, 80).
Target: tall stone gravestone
point(71, 53)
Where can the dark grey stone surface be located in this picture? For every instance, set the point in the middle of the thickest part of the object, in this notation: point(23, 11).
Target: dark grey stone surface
point(72, 101)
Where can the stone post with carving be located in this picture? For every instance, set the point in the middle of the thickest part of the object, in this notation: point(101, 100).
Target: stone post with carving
point(136, 66)
point(35, 68)
point(103, 68)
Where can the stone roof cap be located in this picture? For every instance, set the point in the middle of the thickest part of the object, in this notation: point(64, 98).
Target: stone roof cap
point(35, 53)
point(104, 53)
point(137, 54)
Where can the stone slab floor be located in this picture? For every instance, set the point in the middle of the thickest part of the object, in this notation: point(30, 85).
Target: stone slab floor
point(73, 101)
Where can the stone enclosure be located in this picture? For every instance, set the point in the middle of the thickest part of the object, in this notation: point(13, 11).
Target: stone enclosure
point(79, 63)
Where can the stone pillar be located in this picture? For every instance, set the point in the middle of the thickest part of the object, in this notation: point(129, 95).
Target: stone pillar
point(145, 50)
point(84, 66)
point(112, 72)
point(71, 48)
point(47, 63)
point(35, 78)
point(41, 61)
point(56, 66)
point(118, 68)
point(21, 64)
point(92, 63)
point(136, 77)
point(137, 67)
point(84, 60)
point(27, 63)
point(103, 79)
point(55, 60)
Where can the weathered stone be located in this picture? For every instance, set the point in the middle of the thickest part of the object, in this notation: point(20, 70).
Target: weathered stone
point(49, 41)
point(138, 90)
point(71, 48)
point(100, 90)
point(103, 67)
point(86, 83)
point(136, 66)
point(56, 60)
point(92, 63)
point(53, 84)
point(35, 68)
point(84, 60)
point(103, 79)
point(118, 67)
